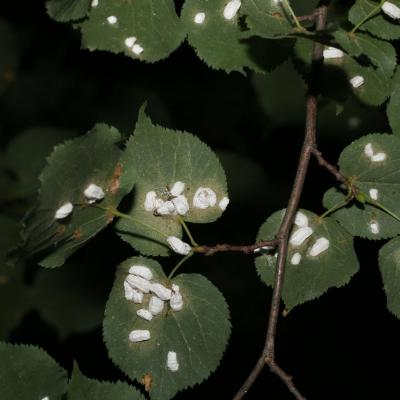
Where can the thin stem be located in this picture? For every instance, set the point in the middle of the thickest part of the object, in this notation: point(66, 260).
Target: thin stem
point(268, 353)
point(367, 17)
point(336, 207)
point(246, 249)
point(293, 15)
point(382, 207)
point(185, 227)
point(177, 266)
point(117, 213)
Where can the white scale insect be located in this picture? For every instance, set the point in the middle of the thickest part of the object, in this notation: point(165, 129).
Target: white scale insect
point(178, 245)
point(373, 193)
point(391, 10)
point(374, 227)
point(139, 335)
point(161, 291)
point(172, 361)
point(199, 18)
point(204, 198)
point(145, 314)
point(300, 235)
point(332, 53)
point(176, 301)
point(320, 245)
point(374, 157)
point(142, 271)
point(231, 9)
point(296, 258)
point(112, 19)
point(93, 193)
point(156, 305)
point(64, 211)
point(132, 294)
point(138, 283)
point(357, 81)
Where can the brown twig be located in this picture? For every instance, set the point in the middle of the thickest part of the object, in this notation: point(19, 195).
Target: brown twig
point(267, 356)
point(330, 167)
point(247, 249)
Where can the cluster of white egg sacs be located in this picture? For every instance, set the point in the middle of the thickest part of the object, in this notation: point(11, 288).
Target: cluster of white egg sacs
point(138, 283)
point(177, 203)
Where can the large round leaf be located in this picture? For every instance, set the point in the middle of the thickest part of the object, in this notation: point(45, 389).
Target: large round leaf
point(382, 177)
point(153, 23)
point(83, 388)
point(27, 372)
point(163, 157)
point(313, 275)
point(198, 333)
point(92, 158)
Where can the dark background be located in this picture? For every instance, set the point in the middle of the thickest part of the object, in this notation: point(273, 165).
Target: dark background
point(338, 346)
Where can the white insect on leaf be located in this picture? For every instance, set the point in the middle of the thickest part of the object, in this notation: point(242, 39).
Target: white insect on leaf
point(172, 361)
point(130, 41)
point(93, 193)
point(177, 189)
point(161, 291)
point(46, 398)
point(178, 246)
point(391, 10)
point(301, 219)
point(231, 9)
point(139, 335)
point(296, 258)
point(320, 245)
point(373, 193)
point(145, 314)
point(223, 203)
point(132, 294)
point(150, 201)
point(378, 157)
point(357, 81)
point(142, 271)
point(204, 198)
point(181, 204)
point(199, 18)
point(374, 227)
point(138, 283)
point(137, 49)
point(112, 19)
point(156, 305)
point(176, 301)
point(332, 53)
point(369, 150)
point(95, 3)
point(64, 211)
point(165, 207)
point(300, 235)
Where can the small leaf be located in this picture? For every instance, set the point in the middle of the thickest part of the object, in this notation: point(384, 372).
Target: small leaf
point(27, 372)
point(393, 105)
point(267, 18)
point(83, 388)
point(151, 24)
point(67, 10)
point(91, 159)
point(389, 264)
point(312, 276)
point(380, 24)
point(380, 180)
point(163, 157)
point(198, 333)
point(217, 41)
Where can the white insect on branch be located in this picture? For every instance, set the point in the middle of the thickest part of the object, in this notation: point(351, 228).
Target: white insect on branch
point(204, 198)
point(156, 305)
point(231, 9)
point(178, 246)
point(93, 193)
point(142, 271)
point(172, 361)
point(139, 335)
point(145, 314)
point(299, 236)
point(64, 211)
point(138, 283)
point(161, 291)
point(199, 18)
point(391, 10)
point(320, 245)
point(332, 53)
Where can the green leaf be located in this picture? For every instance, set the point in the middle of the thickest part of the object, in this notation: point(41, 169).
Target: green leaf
point(267, 18)
point(34, 144)
point(153, 23)
point(383, 176)
point(338, 72)
point(393, 105)
point(91, 159)
point(380, 24)
point(27, 372)
point(198, 333)
point(9, 55)
point(163, 157)
point(83, 388)
point(314, 275)
point(70, 299)
point(389, 264)
point(67, 10)
point(217, 41)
